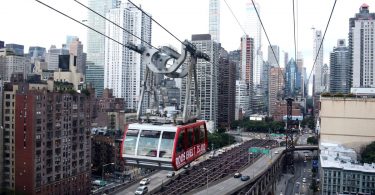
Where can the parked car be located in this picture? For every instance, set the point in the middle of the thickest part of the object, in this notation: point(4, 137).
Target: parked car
point(304, 180)
point(237, 175)
point(245, 177)
point(170, 174)
point(276, 152)
point(141, 190)
point(145, 181)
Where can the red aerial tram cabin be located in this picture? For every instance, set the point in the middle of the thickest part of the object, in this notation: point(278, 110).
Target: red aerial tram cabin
point(164, 146)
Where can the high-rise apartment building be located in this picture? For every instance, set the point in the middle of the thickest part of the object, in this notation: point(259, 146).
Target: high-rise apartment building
point(253, 29)
point(207, 76)
point(235, 57)
point(325, 78)
point(273, 56)
point(318, 83)
point(124, 70)
point(276, 85)
point(361, 47)
point(52, 57)
point(291, 78)
point(247, 59)
point(227, 90)
point(300, 77)
point(47, 143)
point(214, 20)
point(242, 108)
point(96, 42)
point(11, 63)
point(339, 68)
point(76, 48)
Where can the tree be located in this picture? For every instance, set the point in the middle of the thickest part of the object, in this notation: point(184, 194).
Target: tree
point(368, 154)
point(312, 140)
point(220, 139)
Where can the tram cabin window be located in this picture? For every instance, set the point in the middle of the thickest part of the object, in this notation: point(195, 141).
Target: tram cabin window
point(196, 135)
point(130, 141)
point(180, 141)
point(148, 143)
point(202, 134)
point(190, 141)
point(166, 145)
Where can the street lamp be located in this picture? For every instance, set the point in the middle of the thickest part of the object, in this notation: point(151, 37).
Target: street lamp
point(205, 169)
point(103, 169)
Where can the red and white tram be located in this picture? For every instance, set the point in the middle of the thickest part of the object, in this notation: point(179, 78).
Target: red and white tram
point(165, 146)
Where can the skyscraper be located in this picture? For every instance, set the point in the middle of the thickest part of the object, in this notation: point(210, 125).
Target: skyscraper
point(11, 63)
point(16, 49)
point(214, 20)
point(276, 84)
point(247, 59)
point(318, 83)
point(325, 78)
point(242, 100)
point(37, 52)
point(340, 67)
point(361, 47)
point(253, 29)
point(207, 73)
point(235, 57)
point(227, 90)
point(76, 48)
point(272, 60)
point(124, 71)
point(291, 77)
point(95, 41)
point(52, 57)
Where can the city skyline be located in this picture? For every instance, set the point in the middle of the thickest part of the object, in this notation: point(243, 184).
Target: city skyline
point(192, 19)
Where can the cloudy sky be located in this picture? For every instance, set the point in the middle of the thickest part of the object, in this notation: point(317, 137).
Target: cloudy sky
point(28, 22)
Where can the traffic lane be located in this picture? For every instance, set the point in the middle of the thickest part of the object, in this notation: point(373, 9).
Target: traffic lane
point(155, 181)
point(228, 185)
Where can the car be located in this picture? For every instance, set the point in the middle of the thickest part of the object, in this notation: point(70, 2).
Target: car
point(276, 152)
point(212, 154)
point(145, 181)
point(187, 166)
point(237, 175)
point(141, 190)
point(170, 174)
point(304, 180)
point(245, 177)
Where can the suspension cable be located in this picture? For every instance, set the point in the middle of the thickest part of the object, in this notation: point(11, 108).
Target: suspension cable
point(114, 24)
point(321, 43)
point(230, 9)
point(140, 9)
point(81, 23)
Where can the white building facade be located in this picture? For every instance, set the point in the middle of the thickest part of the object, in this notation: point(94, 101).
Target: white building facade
point(242, 99)
point(361, 47)
point(318, 82)
point(207, 73)
point(123, 71)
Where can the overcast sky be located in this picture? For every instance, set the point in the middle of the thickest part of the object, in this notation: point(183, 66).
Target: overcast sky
point(29, 23)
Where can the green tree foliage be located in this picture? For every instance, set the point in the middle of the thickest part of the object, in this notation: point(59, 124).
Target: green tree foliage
point(259, 126)
point(308, 121)
point(312, 140)
point(219, 139)
point(368, 154)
